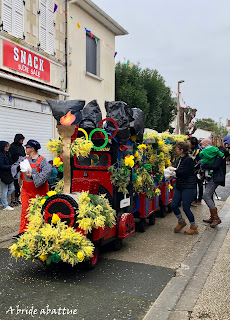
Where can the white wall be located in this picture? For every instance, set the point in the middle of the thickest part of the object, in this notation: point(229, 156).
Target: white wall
point(80, 85)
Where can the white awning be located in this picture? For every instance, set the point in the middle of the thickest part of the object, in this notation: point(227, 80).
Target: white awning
point(32, 84)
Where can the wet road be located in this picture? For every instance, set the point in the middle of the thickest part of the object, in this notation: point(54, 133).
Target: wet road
point(114, 290)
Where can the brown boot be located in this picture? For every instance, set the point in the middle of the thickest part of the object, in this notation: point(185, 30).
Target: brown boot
point(180, 226)
point(210, 220)
point(216, 218)
point(192, 230)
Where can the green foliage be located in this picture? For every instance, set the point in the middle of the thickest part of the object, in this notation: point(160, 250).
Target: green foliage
point(161, 106)
point(120, 176)
point(129, 87)
point(210, 125)
point(146, 90)
point(144, 182)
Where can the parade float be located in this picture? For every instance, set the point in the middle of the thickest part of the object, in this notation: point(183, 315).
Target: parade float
point(112, 174)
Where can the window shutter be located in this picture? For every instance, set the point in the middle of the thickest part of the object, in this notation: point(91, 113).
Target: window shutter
point(50, 27)
point(46, 25)
point(42, 24)
point(7, 15)
point(18, 18)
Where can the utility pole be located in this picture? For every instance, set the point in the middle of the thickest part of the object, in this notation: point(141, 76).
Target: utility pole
point(178, 108)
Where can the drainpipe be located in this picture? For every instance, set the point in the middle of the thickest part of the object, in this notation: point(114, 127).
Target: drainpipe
point(66, 55)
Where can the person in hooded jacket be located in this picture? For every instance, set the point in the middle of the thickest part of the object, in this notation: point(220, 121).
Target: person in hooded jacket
point(6, 179)
point(217, 179)
point(17, 150)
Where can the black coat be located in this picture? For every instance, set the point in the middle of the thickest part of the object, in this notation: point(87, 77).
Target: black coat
point(218, 167)
point(5, 164)
point(185, 173)
point(16, 148)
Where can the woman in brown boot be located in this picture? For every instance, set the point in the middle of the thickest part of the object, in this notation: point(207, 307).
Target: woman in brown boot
point(185, 190)
point(217, 179)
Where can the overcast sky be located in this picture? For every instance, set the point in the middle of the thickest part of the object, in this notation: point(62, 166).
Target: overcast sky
point(183, 40)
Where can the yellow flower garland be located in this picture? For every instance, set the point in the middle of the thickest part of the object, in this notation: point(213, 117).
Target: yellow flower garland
point(55, 146)
point(81, 147)
point(94, 211)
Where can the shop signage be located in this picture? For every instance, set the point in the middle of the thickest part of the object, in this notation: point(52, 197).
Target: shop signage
point(17, 58)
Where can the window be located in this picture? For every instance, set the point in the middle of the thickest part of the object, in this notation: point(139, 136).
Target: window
point(92, 55)
point(46, 25)
point(94, 160)
point(13, 17)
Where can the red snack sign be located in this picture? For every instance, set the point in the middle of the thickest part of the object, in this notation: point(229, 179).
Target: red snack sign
point(25, 61)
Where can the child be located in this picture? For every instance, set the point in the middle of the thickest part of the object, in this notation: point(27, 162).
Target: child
point(209, 153)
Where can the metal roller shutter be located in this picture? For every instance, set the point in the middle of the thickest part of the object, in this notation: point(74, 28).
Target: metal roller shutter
point(33, 125)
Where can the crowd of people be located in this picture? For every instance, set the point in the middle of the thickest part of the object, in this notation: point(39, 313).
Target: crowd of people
point(198, 164)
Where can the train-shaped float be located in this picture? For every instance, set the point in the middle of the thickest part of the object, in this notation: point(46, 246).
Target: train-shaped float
point(114, 177)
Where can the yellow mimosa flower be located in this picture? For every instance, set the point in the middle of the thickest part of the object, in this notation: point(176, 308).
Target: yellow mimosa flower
point(80, 256)
point(160, 143)
point(43, 257)
point(51, 193)
point(142, 146)
point(43, 201)
point(55, 218)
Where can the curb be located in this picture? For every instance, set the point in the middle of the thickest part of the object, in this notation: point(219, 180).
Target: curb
point(8, 237)
point(181, 293)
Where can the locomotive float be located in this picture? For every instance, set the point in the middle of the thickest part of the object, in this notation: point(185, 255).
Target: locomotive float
point(114, 176)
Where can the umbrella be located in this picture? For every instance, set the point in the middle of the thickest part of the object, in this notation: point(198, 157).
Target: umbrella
point(226, 139)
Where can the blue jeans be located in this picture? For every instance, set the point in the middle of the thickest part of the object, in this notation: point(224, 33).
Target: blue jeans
point(187, 197)
point(7, 189)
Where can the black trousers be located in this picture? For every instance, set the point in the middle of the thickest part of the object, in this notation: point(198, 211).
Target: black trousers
point(200, 188)
point(17, 188)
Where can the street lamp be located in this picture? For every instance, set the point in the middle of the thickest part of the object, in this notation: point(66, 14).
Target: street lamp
point(220, 121)
point(178, 108)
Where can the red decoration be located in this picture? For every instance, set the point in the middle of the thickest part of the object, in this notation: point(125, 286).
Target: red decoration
point(115, 124)
point(123, 147)
point(25, 61)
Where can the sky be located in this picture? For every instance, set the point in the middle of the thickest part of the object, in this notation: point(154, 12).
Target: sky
point(183, 40)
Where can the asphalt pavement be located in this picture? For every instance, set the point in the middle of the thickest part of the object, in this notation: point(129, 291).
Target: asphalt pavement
point(151, 273)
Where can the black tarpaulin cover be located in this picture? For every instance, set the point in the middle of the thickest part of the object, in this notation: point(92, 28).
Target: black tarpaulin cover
point(137, 126)
point(61, 107)
point(122, 114)
point(91, 115)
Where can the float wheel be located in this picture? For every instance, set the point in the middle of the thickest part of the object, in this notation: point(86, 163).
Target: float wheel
point(63, 205)
point(142, 225)
point(169, 208)
point(91, 264)
point(152, 219)
point(162, 212)
point(117, 244)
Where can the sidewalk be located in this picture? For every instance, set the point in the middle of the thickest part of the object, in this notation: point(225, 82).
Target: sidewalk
point(201, 287)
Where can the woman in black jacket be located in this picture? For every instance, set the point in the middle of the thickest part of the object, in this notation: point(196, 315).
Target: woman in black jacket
point(6, 179)
point(185, 190)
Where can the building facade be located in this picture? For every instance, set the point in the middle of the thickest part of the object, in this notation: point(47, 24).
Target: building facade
point(46, 54)
point(32, 68)
point(91, 49)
